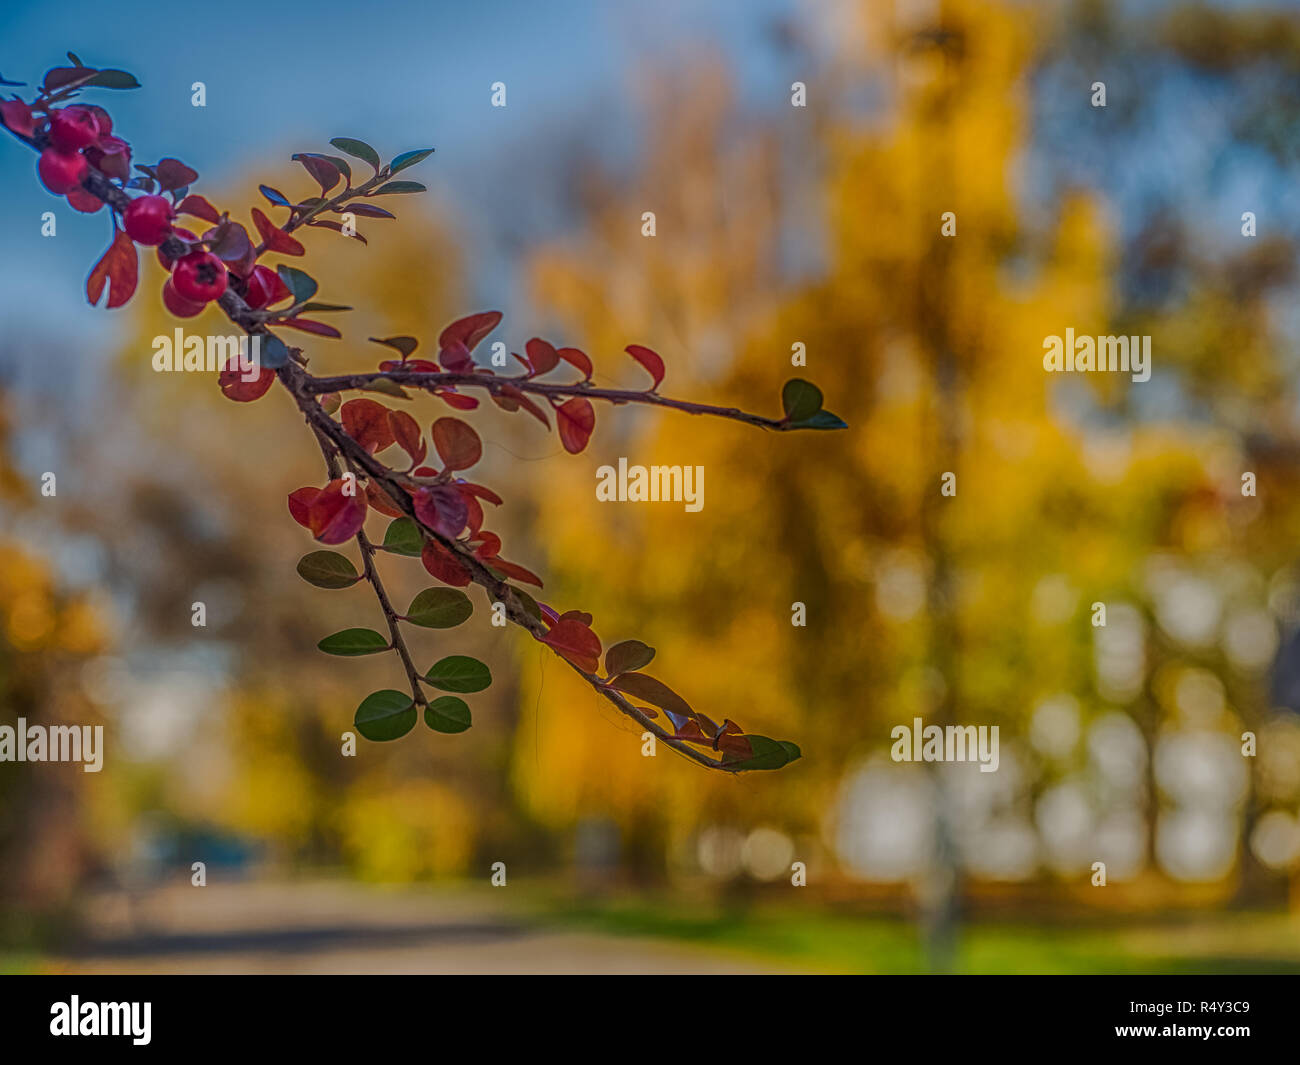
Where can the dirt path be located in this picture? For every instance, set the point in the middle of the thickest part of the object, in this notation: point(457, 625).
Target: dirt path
point(345, 928)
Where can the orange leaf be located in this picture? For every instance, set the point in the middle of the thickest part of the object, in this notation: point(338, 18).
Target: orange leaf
point(119, 267)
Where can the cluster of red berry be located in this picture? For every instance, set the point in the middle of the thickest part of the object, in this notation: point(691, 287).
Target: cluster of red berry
point(79, 136)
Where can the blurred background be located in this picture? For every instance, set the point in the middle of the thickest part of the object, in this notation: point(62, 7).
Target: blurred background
point(776, 225)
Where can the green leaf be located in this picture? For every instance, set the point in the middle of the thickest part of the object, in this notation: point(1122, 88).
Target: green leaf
point(627, 656)
point(439, 608)
point(768, 754)
point(823, 419)
point(387, 387)
point(408, 159)
point(398, 186)
point(113, 79)
point(459, 673)
point(323, 307)
point(301, 284)
point(528, 603)
point(351, 642)
point(402, 537)
point(447, 714)
point(328, 569)
point(358, 150)
point(385, 715)
point(801, 399)
point(275, 352)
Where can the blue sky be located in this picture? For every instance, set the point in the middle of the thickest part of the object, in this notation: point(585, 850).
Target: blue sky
point(288, 76)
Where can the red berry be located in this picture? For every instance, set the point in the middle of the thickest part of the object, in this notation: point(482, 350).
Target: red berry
point(148, 220)
point(73, 128)
point(86, 202)
point(178, 304)
point(166, 260)
point(61, 172)
point(200, 277)
point(262, 288)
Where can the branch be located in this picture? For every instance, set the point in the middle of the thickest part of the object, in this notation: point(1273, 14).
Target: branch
point(339, 447)
point(296, 381)
point(525, 383)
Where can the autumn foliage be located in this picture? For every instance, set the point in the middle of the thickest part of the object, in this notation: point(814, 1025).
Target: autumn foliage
point(433, 511)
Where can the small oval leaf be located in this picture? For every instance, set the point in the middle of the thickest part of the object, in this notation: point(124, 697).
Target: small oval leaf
point(328, 569)
point(385, 715)
point(439, 608)
point(626, 656)
point(459, 673)
point(447, 714)
point(351, 642)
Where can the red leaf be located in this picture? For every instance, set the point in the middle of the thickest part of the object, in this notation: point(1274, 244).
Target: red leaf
point(327, 175)
point(171, 173)
point(576, 642)
point(653, 364)
point(455, 400)
point(577, 615)
point(119, 268)
point(442, 509)
point(334, 517)
point(235, 385)
point(112, 155)
point(299, 501)
point(18, 117)
point(576, 358)
point(480, 491)
point(200, 208)
point(308, 326)
point(487, 544)
point(510, 569)
point(444, 565)
point(85, 202)
point(576, 419)
point(409, 365)
point(367, 423)
point(457, 444)
point(274, 238)
point(406, 431)
point(470, 330)
point(455, 358)
point(474, 520)
point(542, 357)
point(381, 501)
